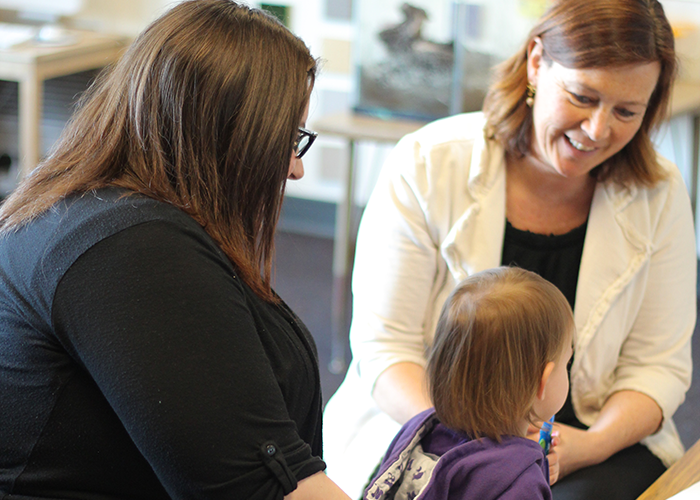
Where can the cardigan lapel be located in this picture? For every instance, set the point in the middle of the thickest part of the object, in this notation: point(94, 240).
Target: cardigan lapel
point(613, 253)
point(475, 241)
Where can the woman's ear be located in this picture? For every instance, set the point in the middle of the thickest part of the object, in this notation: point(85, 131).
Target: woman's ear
point(548, 369)
point(534, 59)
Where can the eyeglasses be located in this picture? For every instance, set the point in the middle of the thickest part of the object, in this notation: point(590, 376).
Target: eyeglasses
point(304, 141)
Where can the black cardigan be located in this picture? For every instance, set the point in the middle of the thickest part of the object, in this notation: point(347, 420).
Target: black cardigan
point(134, 363)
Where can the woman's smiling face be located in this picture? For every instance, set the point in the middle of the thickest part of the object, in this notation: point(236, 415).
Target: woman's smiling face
point(582, 117)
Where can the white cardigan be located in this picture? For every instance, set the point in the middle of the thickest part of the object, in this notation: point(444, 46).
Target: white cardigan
point(437, 215)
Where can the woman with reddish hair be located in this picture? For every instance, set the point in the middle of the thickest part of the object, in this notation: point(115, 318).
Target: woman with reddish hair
point(559, 176)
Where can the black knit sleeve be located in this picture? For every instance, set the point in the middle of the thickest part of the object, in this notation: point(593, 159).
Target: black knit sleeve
point(189, 360)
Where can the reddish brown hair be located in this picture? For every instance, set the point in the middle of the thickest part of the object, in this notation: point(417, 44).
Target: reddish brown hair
point(591, 34)
point(201, 112)
point(497, 331)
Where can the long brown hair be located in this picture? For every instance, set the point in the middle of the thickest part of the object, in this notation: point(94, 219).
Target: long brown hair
point(201, 112)
point(497, 331)
point(591, 34)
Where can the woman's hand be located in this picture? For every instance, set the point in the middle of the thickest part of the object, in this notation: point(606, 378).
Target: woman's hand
point(575, 449)
point(553, 459)
point(626, 418)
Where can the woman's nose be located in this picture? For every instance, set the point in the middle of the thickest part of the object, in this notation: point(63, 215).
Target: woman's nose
point(597, 125)
point(296, 169)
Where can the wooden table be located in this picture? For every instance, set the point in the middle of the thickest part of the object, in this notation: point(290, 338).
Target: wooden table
point(30, 63)
point(678, 477)
point(356, 127)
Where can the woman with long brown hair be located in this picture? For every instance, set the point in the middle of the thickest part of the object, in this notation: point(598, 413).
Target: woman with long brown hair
point(144, 353)
point(559, 176)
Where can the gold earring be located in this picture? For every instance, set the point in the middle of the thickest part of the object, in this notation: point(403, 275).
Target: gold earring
point(530, 94)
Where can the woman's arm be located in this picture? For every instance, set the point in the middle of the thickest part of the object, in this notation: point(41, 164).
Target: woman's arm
point(393, 278)
point(655, 357)
point(627, 417)
point(401, 391)
point(317, 487)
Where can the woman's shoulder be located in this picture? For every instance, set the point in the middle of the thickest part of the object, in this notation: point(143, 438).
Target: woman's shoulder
point(80, 221)
point(36, 257)
point(112, 209)
point(450, 155)
point(439, 147)
point(669, 193)
point(52, 242)
point(457, 128)
point(674, 178)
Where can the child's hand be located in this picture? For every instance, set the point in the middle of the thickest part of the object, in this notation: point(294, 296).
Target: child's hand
point(533, 433)
point(553, 459)
point(556, 440)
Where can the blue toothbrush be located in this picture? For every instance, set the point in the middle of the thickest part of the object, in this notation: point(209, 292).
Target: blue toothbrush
point(546, 435)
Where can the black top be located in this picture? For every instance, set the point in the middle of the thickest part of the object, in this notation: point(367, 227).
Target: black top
point(135, 364)
point(557, 258)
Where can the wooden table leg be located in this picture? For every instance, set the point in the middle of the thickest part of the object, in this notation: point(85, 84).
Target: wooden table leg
point(30, 102)
point(695, 165)
point(343, 252)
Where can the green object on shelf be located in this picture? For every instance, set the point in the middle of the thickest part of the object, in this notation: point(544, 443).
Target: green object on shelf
point(281, 12)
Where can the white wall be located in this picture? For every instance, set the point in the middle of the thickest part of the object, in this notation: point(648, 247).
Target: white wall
point(684, 16)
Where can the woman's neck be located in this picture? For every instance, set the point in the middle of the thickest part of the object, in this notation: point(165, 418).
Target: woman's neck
point(545, 202)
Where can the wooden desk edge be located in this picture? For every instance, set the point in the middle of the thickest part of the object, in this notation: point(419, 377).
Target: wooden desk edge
point(86, 41)
point(678, 477)
point(356, 126)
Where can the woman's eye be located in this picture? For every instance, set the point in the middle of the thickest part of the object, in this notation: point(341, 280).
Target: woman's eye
point(581, 99)
point(625, 113)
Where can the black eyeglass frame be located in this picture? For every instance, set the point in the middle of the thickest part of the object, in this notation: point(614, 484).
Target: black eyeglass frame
point(304, 132)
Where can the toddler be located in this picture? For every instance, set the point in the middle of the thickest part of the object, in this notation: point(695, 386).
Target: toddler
point(498, 363)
